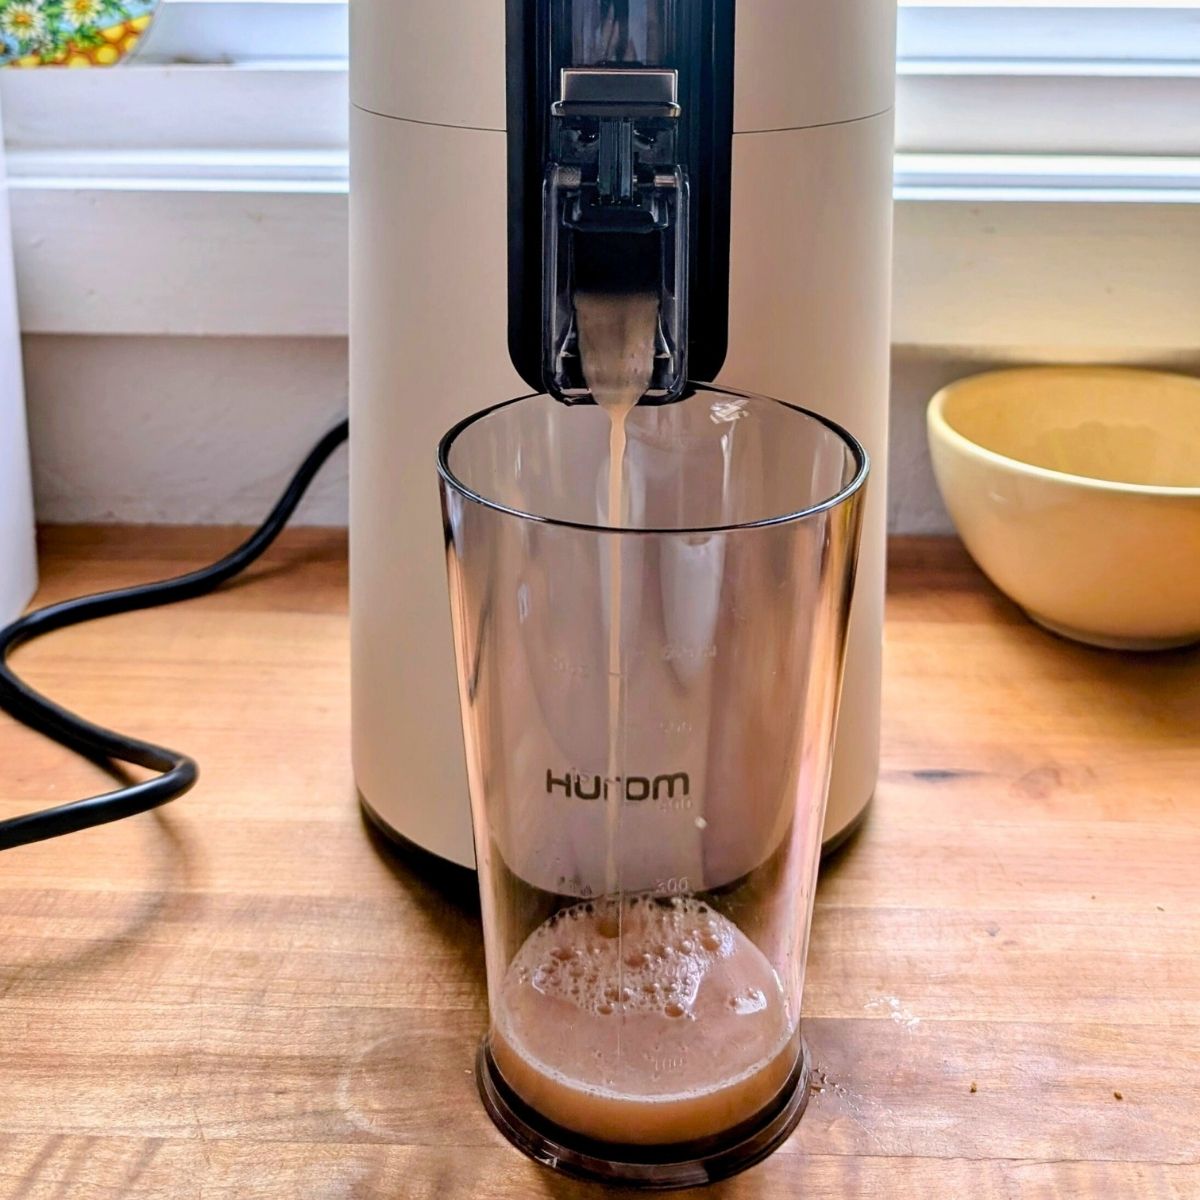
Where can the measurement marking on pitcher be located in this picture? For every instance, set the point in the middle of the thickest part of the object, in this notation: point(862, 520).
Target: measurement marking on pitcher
point(662, 1063)
point(677, 886)
point(682, 652)
point(675, 728)
point(573, 670)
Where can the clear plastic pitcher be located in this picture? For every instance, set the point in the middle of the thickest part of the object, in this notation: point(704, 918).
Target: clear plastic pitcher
point(648, 798)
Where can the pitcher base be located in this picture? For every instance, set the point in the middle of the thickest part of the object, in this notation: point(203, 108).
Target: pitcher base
point(648, 1168)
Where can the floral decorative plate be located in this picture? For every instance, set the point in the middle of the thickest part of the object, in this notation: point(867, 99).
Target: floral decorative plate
point(71, 33)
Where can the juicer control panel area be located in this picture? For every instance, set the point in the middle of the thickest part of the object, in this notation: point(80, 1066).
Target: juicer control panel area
point(620, 144)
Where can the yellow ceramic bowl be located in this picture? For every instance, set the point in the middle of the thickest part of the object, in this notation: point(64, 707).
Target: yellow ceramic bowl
point(1077, 490)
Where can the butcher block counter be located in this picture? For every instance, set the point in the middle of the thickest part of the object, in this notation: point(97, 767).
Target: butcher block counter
point(249, 995)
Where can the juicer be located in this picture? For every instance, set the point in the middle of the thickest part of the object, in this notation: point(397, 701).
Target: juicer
point(734, 159)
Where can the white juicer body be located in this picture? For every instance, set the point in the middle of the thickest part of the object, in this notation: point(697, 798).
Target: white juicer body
point(809, 322)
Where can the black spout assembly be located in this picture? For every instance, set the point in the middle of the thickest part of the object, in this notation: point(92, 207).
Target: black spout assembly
point(620, 128)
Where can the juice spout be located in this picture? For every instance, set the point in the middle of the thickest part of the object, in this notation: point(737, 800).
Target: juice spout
point(616, 219)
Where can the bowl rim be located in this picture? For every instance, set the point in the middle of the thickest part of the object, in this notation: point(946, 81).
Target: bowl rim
point(944, 430)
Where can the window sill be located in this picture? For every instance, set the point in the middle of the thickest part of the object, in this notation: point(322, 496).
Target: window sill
point(239, 228)
point(1089, 258)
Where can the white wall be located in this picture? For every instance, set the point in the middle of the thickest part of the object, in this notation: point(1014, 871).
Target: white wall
point(181, 430)
point(190, 430)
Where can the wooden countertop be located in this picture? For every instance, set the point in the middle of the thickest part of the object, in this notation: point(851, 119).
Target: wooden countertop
point(246, 996)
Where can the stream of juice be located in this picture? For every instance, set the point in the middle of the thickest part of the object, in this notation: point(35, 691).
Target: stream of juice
point(617, 334)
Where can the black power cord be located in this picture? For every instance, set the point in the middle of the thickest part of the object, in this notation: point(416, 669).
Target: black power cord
point(178, 772)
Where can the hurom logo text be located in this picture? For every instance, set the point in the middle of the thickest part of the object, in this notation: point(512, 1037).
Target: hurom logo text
point(635, 788)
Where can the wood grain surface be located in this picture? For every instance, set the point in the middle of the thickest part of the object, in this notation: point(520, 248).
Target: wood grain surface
point(246, 995)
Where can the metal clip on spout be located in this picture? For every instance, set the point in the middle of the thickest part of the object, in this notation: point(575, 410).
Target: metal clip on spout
point(616, 215)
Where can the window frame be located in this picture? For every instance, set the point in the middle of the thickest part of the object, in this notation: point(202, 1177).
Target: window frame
point(973, 79)
point(980, 78)
point(232, 181)
point(1056, 30)
point(1111, 30)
